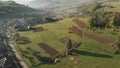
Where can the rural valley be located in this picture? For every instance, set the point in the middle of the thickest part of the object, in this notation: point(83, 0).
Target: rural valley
point(60, 34)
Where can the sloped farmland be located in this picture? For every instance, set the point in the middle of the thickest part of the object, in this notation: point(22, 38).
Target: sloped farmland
point(76, 31)
point(48, 49)
point(81, 24)
point(101, 39)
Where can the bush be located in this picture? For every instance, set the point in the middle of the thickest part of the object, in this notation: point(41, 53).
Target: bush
point(118, 44)
point(24, 40)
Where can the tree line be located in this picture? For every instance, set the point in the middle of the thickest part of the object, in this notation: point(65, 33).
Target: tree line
point(105, 19)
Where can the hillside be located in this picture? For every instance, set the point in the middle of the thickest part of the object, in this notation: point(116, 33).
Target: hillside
point(58, 6)
point(42, 3)
point(90, 54)
point(61, 7)
point(88, 38)
point(52, 3)
point(10, 8)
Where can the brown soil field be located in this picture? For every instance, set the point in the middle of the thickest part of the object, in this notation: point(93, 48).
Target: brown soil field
point(80, 23)
point(48, 49)
point(76, 30)
point(38, 29)
point(96, 37)
point(100, 38)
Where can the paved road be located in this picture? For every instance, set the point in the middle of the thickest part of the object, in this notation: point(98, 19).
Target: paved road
point(15, 59)
point(17, 55)
point(11, 61)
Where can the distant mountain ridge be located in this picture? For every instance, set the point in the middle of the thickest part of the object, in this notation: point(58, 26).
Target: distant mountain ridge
point(42, 3)
point(11, 8)
point(59, 7)
point(51, 3)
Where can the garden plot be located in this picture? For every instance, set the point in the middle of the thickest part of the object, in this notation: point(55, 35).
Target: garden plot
point(80, 23)
point(100, 38)
point(48, 49)
point(38, 29)
point(91, 35)
point(76, 31)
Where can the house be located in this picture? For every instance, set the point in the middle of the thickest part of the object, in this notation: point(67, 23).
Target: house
point(2, 62)
point(1, 36)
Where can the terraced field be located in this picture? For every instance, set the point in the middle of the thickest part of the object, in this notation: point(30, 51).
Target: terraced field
point(91, 54)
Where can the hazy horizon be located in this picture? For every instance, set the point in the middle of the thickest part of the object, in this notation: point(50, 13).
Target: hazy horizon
point(42, 3)
point(19, 1)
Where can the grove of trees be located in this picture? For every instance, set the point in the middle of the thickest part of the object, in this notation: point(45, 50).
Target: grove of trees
point(106, 19)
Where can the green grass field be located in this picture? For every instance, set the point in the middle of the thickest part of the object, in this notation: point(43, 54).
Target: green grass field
point(91, 54)
point(115, 4)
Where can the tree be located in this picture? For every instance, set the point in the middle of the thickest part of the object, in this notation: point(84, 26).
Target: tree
point(102, 19)
point(68, 46)
point(118, 43)
point(16, 36)
point(116, 21)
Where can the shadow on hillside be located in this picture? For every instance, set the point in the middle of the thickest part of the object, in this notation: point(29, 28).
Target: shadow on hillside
point(24, 40)
point(86, 53)
point(44, 61)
